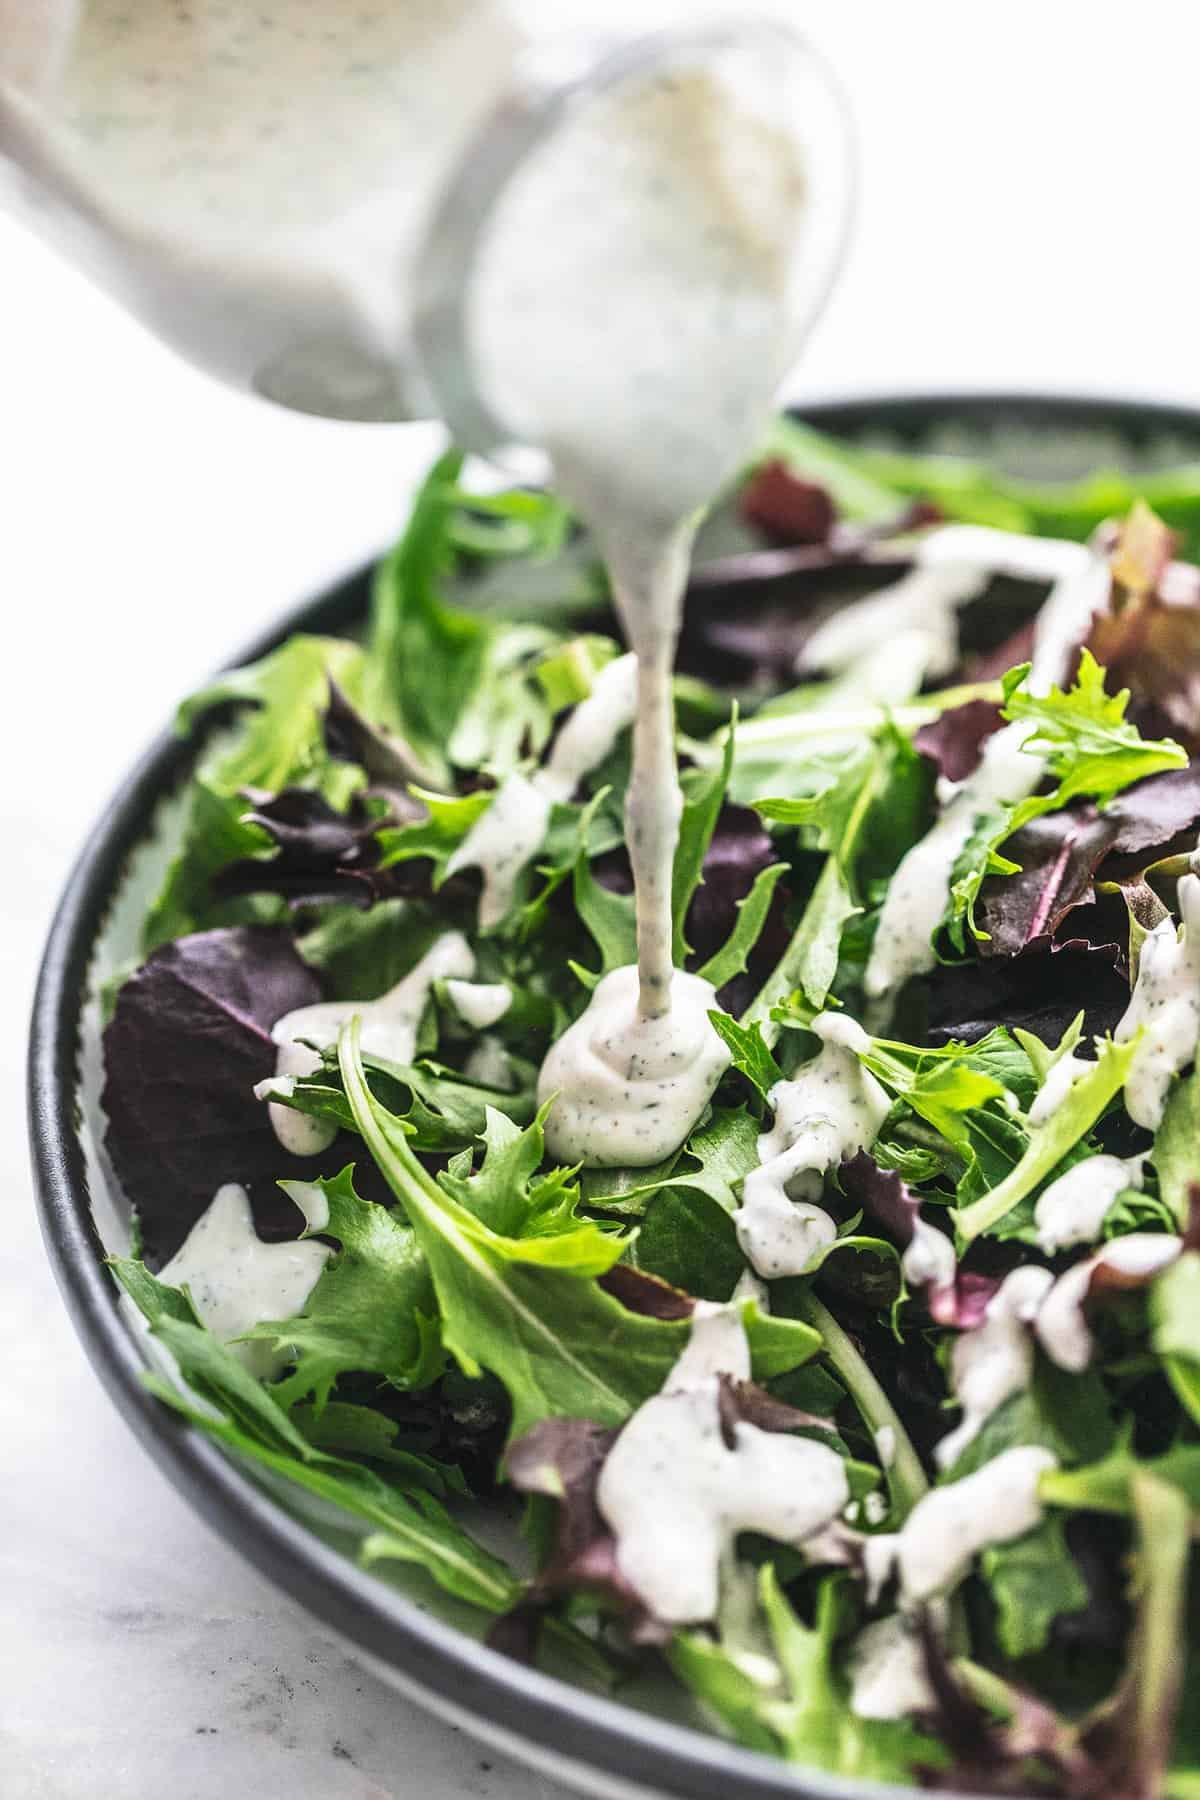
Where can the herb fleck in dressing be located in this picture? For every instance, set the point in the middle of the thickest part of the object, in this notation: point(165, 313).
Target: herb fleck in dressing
point(676, 1492)
point(832, 1109)
point(389, 1031)
point(236, 1281)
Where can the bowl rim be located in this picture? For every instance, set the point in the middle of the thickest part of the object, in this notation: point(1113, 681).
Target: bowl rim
point(596, 1742)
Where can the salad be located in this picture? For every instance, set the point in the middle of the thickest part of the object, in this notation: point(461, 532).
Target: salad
point(867, 1400)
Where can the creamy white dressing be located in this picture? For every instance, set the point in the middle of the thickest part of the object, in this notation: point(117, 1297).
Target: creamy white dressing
point(919, 891)
point(490, 1065)
point(832, 1109)
point(920, 609)
point(479, 1003)
point(951, 1524)
point(236, 1281)
point(502, 842)
point(1073, 1208)
point(630, 1087)
point(676, 1496)
point(312, 1201)
point(887, 1671)
point(1060, 1079)
point(505, 839)
point(995, 1360)
point(389, 1031)
point(1061, 1322)
point(929, 1260)
point(1165, 1008)
point(592, 730)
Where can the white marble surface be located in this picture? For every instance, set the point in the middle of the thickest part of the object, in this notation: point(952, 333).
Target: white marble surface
point(1025, 223)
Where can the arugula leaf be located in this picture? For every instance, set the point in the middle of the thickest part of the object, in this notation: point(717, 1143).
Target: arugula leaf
point(360, 955)
point(845, 818)
point(748, 1052)
point(714, 1160)
point(373, 1309)
point(1073, 1118)
point(442, 1110)
point(529, 1308)
point(449, 817)
point(1090, 746)
point(609, 917)
point(347, 1429)
point(239, 1412)
point(731, 959)
point(423, 656)
point(506, 1193)
point(278, 742)
point(690, 1241)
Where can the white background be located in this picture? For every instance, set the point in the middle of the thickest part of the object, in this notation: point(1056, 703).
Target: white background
point(1028, 220)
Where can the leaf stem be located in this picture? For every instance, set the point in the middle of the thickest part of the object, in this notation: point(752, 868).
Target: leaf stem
point(905, 1477)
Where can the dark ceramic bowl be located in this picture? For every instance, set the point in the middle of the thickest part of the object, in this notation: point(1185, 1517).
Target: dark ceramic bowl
point(600, 1745)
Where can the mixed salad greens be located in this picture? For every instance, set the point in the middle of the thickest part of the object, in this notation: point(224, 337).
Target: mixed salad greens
point(920, 1505)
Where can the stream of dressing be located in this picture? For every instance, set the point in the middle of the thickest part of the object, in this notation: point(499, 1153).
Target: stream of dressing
point(647, 394)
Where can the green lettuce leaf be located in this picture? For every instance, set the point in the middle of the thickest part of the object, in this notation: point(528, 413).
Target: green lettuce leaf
point(373, 1309)
point(224, 1400)
point(278, 742)
point(529, 1309)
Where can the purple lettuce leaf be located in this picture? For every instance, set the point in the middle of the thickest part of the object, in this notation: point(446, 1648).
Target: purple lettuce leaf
point(1041, 991)
point(785, 508)
point(321, 855)
point(1149, 638)
point(953, 742)
point(559, 1461)
point(646, 1294)
point(1058, 856)
point(189, 1037)
point(1064, 854)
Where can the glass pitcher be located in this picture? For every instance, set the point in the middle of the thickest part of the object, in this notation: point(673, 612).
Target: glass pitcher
point(298, 195)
